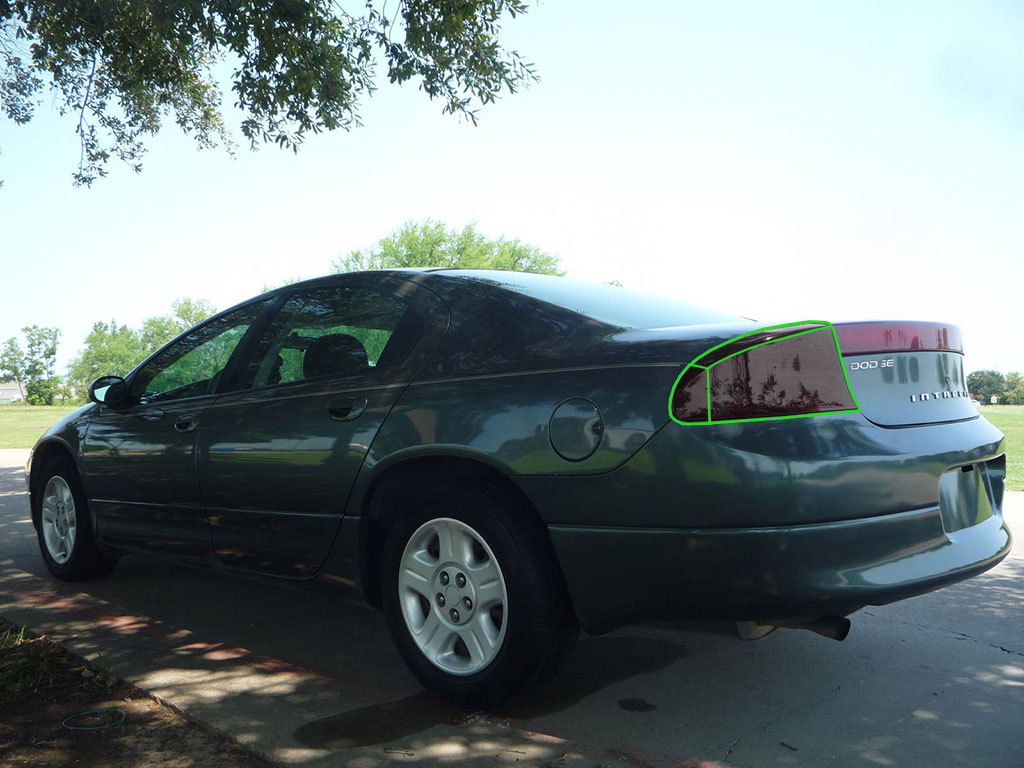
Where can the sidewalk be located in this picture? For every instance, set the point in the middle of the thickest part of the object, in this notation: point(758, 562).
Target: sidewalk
point(282, 711)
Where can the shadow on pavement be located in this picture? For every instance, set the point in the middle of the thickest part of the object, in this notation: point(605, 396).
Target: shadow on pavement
point(596, 663)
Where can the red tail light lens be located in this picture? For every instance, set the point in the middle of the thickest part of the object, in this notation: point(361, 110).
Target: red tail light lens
point(780, 372)
point(888, 336)
point(690, 398)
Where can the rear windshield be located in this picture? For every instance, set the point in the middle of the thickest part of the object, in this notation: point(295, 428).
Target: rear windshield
point(607, 303)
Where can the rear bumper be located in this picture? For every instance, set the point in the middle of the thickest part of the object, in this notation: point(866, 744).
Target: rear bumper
point(619, 576)
point(789, 520)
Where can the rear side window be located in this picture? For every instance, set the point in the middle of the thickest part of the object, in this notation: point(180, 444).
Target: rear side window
point(330, 332)
point(608, 304)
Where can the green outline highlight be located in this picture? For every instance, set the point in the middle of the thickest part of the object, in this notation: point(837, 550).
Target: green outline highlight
point(823, 324)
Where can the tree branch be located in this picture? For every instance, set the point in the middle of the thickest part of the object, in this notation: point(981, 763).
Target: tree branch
point(81, 115)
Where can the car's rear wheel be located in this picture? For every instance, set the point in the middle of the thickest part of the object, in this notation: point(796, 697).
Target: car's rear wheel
point(64, 526)
point(473, 596)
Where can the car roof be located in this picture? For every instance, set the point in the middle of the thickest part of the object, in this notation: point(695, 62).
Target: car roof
point(609, 304)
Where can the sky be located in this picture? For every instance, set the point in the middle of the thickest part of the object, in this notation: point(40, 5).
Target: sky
point(783, 161)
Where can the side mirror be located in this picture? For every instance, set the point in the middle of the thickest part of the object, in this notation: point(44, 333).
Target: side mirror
point(109, 390)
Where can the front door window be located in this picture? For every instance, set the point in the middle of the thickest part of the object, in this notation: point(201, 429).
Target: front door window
point(192, 365)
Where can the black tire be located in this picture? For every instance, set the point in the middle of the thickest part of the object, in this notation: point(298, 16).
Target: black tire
point(84, 561)
point(541, 628)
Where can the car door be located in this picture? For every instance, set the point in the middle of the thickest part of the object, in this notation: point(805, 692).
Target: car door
point(140, 457)
point(279, 455)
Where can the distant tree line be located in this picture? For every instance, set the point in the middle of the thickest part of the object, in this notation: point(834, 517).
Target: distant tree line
point(116, 349)
point(1009, 388)
point(113, 349)
point(110, 349)
point(432, 244)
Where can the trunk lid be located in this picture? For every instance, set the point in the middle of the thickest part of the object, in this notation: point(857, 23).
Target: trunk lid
point(906, 373)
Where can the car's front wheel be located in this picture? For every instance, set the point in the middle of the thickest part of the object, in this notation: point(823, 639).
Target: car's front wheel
point(64, 527)
point(473, 596)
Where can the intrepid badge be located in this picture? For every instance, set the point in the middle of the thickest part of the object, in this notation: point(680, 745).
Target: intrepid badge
point(938, 395)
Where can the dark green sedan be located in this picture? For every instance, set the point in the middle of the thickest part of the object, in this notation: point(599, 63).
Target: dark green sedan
point(497, 459)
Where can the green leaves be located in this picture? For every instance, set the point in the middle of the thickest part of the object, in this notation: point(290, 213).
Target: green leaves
point(986, 383)
point(12, 364)
point(112, 349)
point(431, 244)
point(300, 66)
point(33, 369)
point(1013, 388)
point(453, 47)
point(1009, 388)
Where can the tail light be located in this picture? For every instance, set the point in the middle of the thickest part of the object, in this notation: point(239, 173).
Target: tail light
point(785, 371)
point(890, 336)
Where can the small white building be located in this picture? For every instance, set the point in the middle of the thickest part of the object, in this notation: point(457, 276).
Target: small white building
point(9, 392)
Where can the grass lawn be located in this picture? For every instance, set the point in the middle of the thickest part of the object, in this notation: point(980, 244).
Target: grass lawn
point(1009, 419)
point(22, 425)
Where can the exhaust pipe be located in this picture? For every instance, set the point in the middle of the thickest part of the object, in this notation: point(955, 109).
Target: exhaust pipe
point(834, 627)
point(754, 630)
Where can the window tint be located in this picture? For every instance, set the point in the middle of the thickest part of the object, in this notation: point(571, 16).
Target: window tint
point(330, 331)
point(192, 365)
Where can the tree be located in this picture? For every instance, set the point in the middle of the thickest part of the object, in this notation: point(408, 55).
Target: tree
point(157, 331)
point(299, 66)
point(112, 349)
point(188, 312)
point(431, 244)
point(1013, 388)
point(109, 350)
point(62, 389)
point(33, 369)
point(12, 364)
point(984, 384)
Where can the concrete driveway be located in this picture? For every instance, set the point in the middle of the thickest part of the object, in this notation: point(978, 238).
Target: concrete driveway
point(309, 680)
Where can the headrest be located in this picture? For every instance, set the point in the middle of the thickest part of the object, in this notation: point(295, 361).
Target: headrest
point(333, 354)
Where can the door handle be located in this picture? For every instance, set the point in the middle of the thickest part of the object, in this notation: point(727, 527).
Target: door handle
point(346, 408)
point(186, 423)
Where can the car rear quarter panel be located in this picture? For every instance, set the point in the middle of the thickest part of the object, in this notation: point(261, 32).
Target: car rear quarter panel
point(503, 420)
point(789, 472)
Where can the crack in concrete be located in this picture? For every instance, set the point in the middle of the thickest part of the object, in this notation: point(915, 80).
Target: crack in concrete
point(952, 634)
point(731, 748)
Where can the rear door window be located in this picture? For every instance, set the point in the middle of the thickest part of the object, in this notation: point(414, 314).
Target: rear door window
point(330, 332)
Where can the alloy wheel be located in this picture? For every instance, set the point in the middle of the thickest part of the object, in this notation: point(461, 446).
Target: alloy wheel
point(453, 596)
point(58, 519)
